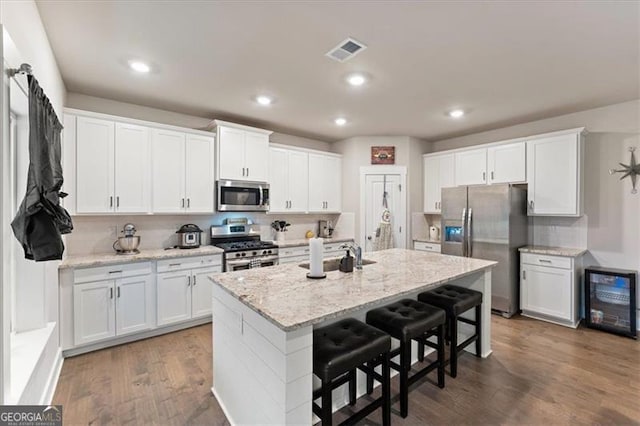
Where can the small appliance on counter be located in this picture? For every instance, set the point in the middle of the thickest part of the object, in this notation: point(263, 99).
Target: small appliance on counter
point(325, 229)
point(189, 236)
point(129, 242)
point(610, 300)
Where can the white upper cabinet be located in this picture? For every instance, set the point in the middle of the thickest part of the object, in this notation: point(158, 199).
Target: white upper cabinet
point(507, 163)
point(555, 175)
point(471, 167)
point(168, 171)
point(94, 165)
point(199, 176)
point(438, 174)
point(182, 172)
point(131, 168)
point(325, 183)
point(288, 180)
point(242, 152)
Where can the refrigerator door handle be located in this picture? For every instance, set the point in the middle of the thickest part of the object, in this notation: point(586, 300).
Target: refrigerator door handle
point(470, 233)
point(464, 232)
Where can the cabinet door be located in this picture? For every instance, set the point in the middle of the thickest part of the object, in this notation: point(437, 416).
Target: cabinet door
point(554, 185)
point(93, 312)
point(507, 163)
point(199, 177)
point(278, 180)
point(447, 173)
point(201, 291)
point(94, 165)
point(471, 167)
point(132, 168)
point(547, 291)
point(168, 171)
point(231, 153)
point(173, 291)
point(431, 167)
point(333, 182)
point(298, 181)
point(134, 304)
point(256, 152)
point(317, 183)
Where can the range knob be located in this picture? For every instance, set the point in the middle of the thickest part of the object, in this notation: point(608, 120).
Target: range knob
point(244, 254)
point(269, 252)
point(264, 252)
point(255, 253)
point(237, 254)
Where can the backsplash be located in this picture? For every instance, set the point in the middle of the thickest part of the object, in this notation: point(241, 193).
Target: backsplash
point(96, 234)
point(560, 231)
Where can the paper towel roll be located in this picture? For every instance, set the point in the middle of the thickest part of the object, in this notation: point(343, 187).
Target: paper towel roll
point(316, 255)
point(434, 233)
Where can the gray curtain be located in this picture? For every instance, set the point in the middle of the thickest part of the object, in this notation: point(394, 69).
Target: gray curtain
point(41, 219)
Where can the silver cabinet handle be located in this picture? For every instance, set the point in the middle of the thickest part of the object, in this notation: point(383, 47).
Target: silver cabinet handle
point(484, 176)
point(174, 264)
point(111, 293)
point(247, 171)
point(183, 202)
point(531, 205)
point(243, 171)
point(118, 201)
point(544, 261)
point(118, 288)
point(491, 175)
point(111, 201)
point(115, 272)
point(188, 202)
point(524, 274)
point(194, 280)
point(189, 281)
point(369, 237)
point(435, 205)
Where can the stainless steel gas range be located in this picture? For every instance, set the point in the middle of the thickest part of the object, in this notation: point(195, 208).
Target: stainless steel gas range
point(242, 247)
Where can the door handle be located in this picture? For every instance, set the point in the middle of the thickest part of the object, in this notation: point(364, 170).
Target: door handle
point(464, 232)
point(369, 237)
point(470, 233)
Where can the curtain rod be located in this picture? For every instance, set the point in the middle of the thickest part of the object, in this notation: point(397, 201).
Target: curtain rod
point(24, 69)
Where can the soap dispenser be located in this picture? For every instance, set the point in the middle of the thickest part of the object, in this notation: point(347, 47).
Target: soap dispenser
point(346, 263)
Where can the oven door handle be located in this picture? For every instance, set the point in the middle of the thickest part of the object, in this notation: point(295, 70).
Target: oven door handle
point(245, 261)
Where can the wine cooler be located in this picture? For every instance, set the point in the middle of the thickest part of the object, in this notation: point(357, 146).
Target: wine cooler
point(610, 300)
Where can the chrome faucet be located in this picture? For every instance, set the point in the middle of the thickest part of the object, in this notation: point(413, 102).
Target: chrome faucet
point(357, 253)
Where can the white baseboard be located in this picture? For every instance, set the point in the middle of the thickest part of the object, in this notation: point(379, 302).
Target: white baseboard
point(221, 404)
point(52, 382)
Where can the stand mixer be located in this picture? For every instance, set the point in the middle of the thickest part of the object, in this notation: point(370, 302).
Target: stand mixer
point(129, 242)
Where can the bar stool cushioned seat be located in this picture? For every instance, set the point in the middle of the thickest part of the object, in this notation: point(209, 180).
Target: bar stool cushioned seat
point(408, 320)
point(338, 350)
point(456, 300)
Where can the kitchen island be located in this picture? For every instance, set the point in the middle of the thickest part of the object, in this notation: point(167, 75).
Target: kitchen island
point(263, 321)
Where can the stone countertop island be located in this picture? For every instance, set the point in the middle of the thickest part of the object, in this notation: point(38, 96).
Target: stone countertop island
point(263, 321)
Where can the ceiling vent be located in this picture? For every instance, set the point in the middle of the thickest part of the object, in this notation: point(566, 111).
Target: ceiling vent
point(346, 50)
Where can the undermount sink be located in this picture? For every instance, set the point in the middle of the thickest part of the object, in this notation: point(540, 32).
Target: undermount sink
point(334, 264)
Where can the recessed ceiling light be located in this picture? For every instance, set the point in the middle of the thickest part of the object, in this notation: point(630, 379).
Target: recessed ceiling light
point(264, 100)
point(139, 66)
point(356, 79)
point(340, 121)
point(456, 113)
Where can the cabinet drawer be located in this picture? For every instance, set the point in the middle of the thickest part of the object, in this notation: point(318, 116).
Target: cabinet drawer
point(423, 246)
point(550, 261)
point(293, 251)
point(181, 263)
point(111, 272)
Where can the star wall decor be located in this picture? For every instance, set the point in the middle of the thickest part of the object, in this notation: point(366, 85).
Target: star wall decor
point(632, 170)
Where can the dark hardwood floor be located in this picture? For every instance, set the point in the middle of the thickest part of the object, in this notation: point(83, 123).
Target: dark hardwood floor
point(539, 373)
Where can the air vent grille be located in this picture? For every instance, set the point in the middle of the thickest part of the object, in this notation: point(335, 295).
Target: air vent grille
point(346, 50)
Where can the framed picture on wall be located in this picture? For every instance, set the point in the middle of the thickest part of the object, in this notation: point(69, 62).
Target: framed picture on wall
point(383, 155)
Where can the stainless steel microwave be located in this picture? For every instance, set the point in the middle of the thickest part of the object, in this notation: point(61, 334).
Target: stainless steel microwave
point(239, 196)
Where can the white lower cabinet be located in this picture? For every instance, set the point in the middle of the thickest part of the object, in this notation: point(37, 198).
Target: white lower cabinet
point(549, 288)
point(184, 295)
point(112, 307)
point(103, 303)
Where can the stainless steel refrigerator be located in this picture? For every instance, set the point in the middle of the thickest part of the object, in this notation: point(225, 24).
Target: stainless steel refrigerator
point(488, 222)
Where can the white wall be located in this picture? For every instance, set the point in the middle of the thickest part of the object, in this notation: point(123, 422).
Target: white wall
point(610, 228)
point(356, 152)
point(21, 21)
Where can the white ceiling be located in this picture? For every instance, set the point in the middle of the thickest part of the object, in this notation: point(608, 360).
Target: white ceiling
point(505, 63)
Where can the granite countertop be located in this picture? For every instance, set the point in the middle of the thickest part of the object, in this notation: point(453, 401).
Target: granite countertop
point(153, 254)
point(553, 251)
point(286, 297)
point(427, 240)
point(305, 241)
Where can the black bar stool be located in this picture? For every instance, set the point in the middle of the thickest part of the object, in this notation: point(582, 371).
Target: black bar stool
point(340, 348)
point(408, 320)
point(455, 301)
